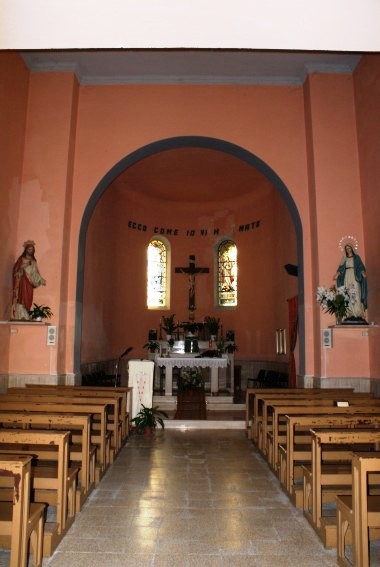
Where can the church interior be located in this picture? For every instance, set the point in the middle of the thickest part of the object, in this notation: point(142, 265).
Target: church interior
point(285, 171)
point(266, 160)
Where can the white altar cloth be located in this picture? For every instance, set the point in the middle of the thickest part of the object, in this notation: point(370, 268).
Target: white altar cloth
point(183, 362)
point(140, 378)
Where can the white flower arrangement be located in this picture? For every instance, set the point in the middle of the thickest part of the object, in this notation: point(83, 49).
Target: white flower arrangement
point(335, 300)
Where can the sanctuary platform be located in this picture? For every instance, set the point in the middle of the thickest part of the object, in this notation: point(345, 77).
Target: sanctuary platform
point(221, 413)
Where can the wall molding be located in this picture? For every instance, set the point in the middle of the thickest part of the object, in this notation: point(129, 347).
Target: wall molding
point(19, 380)
point(362, 384)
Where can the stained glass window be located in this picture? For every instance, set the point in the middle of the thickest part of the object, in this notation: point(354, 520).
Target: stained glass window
point(157, 274)
point(227, 274)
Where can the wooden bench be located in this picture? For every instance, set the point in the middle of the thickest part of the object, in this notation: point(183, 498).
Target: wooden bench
point(83, 452)
point(101, 439)
point(58, 397)
point(124, 392)
point(335, 477)
point(251, 403)
point(274, 422)
point(262, 397)
point(359, 513)
point(271, 411)
point(254, 397)
point(20, 520)
point(59, 480)
point(297, 446)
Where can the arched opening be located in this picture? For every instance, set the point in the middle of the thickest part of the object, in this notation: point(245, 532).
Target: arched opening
point(172, 144)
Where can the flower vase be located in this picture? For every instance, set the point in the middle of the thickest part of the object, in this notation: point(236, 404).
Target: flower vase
point(338, 319)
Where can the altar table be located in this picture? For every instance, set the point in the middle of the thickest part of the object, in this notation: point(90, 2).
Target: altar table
point(186, 361)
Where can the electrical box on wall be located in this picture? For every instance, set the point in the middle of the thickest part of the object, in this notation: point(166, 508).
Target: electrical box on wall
point(327, 338)
point(51, 339)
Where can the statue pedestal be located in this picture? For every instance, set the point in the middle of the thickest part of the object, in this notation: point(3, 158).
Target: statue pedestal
point(354, 353)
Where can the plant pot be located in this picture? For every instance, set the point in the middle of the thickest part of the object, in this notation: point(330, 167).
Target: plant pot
point(148, 431)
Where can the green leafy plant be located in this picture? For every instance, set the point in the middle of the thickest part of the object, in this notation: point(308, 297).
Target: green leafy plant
point(40, 311)
point(191, 327)
point(149, 418)
point(168, 324)
point(213, 324)
point(230, 348)
point(190, 379)
point(152, 346)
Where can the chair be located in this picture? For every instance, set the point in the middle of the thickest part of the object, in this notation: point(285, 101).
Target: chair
point(272, 379)
point(257, 382)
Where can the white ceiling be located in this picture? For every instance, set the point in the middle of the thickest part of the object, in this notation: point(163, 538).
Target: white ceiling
point(207, 66)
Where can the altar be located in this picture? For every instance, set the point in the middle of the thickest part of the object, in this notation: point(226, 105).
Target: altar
point(177, 361)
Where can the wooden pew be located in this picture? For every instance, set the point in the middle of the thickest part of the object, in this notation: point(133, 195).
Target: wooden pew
point(321, 476)
point(78, 391)
point(57, 479)
point(274, 412)
point(58, 398)
point(262, 400)
point(269, 420)
point(82, 454)
point(98, 391)
point(297, 446)
point(101, 439)
point(251, 403)
point(359, 513)
point(20, 520)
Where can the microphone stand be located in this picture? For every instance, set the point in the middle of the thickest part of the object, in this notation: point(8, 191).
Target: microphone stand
point(117, 365)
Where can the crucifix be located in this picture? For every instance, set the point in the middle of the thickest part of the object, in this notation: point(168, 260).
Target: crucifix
point(191, 271)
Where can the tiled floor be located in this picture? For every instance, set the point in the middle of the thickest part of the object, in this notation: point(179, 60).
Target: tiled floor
point(190, 498)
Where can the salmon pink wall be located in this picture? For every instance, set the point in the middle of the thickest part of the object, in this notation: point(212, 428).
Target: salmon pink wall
point(334, 185)
point(114, 307)
point(46, 197)
point(114, 121)
point(367, 97)
point(13, 100)
point(75, 135)
point(267, 121)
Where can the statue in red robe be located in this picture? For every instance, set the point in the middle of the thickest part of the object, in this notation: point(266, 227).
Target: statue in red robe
point(26, 277)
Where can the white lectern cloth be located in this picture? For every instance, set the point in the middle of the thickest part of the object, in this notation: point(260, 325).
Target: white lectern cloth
point(141, 380)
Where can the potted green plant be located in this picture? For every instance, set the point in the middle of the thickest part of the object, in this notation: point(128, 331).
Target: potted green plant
point(334, 301)
point(230, 348)
point(40, 312)
point(152, 346)
point(191, 328)
point(212, 324)
point(168, 325)
point(148, 419)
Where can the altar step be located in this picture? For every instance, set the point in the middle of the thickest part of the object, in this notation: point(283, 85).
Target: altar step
point(222, 413)
point(214, 403)
point(184, 425)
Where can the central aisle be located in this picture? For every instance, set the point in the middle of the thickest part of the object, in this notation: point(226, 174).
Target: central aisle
point(194, 499)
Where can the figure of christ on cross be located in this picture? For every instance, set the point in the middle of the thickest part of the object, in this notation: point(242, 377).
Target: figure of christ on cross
point(191, 271)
